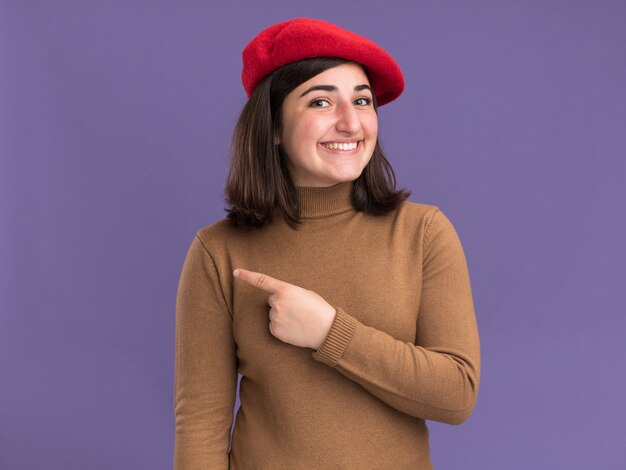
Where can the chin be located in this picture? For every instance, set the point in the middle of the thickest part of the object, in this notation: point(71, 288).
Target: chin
point(346, 177)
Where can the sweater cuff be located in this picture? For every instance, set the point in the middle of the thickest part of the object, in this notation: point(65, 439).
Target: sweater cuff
point(338, 338)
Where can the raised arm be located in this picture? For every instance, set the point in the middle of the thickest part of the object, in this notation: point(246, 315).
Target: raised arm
point(437, 378)
point(205, 377)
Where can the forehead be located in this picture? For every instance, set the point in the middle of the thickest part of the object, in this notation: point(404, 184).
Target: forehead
point(346, 75)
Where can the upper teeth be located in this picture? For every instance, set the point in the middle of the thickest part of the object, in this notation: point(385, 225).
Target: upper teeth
point(338, 146)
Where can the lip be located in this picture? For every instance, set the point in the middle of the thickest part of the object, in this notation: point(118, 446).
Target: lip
point(342, 152)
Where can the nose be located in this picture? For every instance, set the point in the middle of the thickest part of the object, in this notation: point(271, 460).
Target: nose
point(348, 119)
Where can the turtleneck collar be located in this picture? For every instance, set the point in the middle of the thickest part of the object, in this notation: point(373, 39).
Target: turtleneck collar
point(318, 202)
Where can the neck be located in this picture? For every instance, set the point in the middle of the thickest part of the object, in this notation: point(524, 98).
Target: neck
point(318, 202)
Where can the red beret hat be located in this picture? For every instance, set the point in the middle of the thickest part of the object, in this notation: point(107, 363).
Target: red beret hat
point(303, 38)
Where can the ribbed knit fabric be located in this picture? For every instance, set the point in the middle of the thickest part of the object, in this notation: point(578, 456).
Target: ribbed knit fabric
point(403, 348)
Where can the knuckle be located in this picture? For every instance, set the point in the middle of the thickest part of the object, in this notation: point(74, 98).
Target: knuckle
point(260, 281)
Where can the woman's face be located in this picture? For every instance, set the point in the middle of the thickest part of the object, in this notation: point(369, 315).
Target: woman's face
point(330, 127)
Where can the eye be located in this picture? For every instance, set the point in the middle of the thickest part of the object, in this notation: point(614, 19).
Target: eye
point(363, 101)
point(319, 103)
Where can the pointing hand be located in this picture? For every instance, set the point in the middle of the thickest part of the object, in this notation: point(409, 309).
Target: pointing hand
point(297, 316)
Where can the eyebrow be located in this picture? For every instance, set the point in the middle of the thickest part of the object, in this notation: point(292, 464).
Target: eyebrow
point(334, 88)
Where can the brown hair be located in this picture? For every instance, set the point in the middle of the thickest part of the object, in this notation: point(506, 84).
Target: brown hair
point(258, 181)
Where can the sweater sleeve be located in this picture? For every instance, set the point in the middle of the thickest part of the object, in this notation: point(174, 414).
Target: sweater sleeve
point(437, 377)
point(205, 377)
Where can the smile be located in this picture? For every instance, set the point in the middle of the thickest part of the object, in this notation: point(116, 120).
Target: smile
point(342, 146)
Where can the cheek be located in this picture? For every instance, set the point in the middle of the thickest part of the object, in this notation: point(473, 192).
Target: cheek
point(370, 124)
point(306, 133)
point(298, 139)
point(312, 129)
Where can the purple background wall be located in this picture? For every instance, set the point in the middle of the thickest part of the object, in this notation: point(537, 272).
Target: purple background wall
point(115, 119)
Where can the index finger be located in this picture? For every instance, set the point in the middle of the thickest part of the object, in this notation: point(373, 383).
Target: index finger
point(260, 280)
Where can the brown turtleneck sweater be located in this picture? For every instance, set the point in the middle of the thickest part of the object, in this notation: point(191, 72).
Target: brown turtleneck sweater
point(403, 348)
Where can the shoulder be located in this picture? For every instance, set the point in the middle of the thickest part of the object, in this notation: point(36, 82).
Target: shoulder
point(430, 220)
point(206, 240)
point(438, 236)
point(217, 235)
point(222, 239)
point(417, 215)
point(220, 228)
point(418, 209)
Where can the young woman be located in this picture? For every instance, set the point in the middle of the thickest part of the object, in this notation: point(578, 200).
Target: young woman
point(346, 308)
